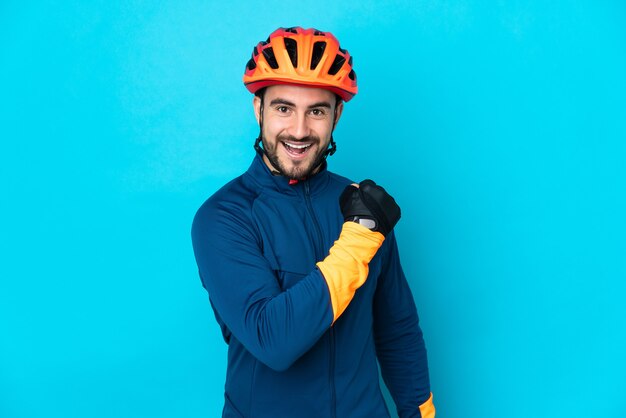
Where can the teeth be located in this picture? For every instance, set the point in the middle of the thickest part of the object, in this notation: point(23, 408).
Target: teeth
point(297, 146)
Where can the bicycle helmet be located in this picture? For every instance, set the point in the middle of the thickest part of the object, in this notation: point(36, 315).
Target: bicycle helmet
point(300, 56)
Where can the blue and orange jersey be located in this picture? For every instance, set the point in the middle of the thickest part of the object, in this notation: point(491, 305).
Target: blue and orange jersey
point(257, 242)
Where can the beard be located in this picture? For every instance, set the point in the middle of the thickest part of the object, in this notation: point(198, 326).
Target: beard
point(302, 169)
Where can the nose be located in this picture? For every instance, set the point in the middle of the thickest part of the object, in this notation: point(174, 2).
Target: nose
point(300, 128)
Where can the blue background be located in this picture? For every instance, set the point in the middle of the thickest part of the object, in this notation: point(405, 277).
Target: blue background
point(500, 127)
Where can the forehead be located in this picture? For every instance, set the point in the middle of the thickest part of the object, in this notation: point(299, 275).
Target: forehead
point(299, 95)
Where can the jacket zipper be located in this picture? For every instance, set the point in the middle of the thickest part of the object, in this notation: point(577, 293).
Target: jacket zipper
point(331, 333)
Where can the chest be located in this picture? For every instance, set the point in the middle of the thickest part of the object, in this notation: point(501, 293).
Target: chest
point(297, 233)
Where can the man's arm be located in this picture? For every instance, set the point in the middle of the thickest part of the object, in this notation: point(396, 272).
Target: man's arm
point(399, 343)
point(276, 326)
point(242, 286)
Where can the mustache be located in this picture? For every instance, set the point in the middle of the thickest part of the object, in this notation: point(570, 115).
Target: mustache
point(293, 139)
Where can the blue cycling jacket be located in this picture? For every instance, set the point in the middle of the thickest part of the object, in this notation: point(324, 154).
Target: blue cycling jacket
point(256, 242)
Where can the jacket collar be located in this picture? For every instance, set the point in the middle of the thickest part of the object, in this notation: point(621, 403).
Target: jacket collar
point(260, 174)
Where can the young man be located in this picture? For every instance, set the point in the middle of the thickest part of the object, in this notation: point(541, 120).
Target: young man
point(301, 265)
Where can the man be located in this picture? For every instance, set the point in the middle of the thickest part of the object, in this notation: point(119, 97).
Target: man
point(301, 265)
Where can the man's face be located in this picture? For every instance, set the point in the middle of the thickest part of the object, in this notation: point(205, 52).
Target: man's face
point(297, 125)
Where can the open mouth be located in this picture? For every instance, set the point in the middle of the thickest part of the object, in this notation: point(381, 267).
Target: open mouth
point(296, 150)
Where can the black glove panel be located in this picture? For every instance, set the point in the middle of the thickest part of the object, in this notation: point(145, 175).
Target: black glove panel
point(370, 201)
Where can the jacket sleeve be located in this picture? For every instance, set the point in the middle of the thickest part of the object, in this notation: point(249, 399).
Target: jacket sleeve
point(399, 343)
point(276, 326)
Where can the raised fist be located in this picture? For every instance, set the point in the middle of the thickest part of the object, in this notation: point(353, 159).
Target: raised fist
point(371, 206)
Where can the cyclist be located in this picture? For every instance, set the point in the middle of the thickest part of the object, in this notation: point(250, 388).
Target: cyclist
point(301, 265)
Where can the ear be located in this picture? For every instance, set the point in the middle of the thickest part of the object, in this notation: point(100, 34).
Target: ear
point(256, 103)
point(338, 112)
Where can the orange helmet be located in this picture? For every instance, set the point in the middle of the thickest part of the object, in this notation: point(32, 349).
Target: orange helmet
point(306, 57)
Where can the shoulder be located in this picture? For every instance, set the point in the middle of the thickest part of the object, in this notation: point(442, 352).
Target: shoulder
point(229, 208)
point(232, 196)
point(337, 182)
point(340, 180)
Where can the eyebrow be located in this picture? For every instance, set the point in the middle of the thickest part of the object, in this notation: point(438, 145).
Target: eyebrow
point(282, 102)
point(320, 104)
point(279, 101)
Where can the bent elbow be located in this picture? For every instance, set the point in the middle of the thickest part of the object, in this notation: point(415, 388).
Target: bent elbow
point(279, 362)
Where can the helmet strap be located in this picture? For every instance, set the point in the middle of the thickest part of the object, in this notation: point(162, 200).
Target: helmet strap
point(333, 145)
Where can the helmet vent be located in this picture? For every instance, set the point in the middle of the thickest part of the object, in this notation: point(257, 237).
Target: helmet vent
point(255, 52)
point(352, 75)
point(251, 65)
point(291, 30)
point(319, 33)
point(291, 45)
point(318, 53)
point(337, 64)
point(268, 53)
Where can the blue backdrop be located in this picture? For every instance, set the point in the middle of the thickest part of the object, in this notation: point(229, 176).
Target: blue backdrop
point(500, 127)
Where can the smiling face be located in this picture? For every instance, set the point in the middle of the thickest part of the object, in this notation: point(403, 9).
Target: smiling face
point(297, 125)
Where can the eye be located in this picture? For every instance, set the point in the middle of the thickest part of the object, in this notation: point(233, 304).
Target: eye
point(282, 109)
point(318, 112)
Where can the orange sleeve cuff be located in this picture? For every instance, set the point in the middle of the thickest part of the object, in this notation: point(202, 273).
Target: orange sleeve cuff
point(346, 267)
point(427, 409)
